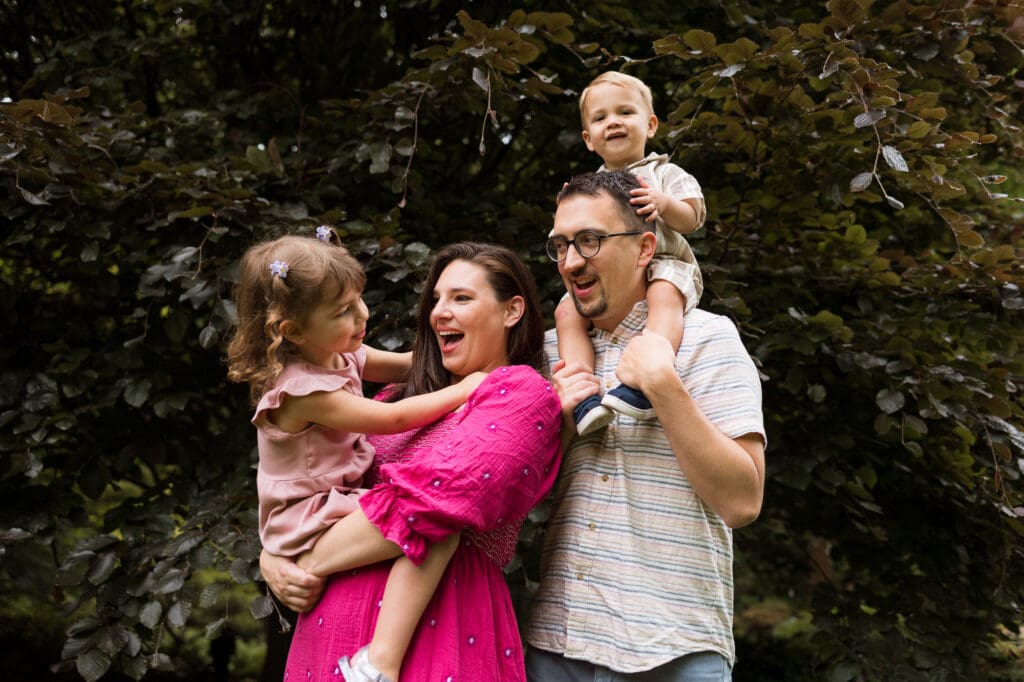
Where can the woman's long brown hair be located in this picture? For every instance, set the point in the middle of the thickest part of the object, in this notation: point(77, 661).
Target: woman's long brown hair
point(508, 276)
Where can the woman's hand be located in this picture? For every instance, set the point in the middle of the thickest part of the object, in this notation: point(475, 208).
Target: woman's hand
point(297, 589)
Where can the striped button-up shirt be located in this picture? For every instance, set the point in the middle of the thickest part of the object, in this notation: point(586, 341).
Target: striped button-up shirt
point(636, 570)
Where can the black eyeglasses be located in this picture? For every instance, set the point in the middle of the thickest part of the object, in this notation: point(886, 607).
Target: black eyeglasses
point(587, 244)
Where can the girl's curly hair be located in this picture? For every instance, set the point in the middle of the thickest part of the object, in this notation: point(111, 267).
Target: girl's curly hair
point(266, 297)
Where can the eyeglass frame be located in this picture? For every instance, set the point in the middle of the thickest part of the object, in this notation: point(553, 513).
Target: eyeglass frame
point(572, 242)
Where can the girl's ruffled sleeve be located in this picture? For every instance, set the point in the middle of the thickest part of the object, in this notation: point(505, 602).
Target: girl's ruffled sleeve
point(301, 382)
point(498, 462)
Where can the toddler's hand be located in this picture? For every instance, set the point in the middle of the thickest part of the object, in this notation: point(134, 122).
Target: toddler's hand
point(647, 199)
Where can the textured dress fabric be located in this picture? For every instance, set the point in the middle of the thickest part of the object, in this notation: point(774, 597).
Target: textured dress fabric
point(305, 479)
point(479, 471)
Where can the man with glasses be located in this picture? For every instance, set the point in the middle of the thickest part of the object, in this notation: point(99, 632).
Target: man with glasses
point(636, 571)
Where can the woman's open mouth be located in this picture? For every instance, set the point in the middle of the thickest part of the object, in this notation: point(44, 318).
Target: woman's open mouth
point(448, 339)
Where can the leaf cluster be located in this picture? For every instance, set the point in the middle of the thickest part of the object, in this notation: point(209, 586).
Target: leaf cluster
point(860, 162)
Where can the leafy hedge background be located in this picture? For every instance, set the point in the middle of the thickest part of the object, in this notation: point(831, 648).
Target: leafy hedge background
point(862, 166)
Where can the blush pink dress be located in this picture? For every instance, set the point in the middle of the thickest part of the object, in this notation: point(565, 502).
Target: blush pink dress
point(306, 480)
point(479, 471)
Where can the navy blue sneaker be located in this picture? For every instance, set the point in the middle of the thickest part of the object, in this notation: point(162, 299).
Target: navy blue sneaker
point(591, 415)
point(628, 401)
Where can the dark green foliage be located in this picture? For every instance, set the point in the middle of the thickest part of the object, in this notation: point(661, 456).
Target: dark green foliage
point(861, 163)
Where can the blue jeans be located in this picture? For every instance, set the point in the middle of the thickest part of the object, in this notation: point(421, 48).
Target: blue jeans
point(706, 666)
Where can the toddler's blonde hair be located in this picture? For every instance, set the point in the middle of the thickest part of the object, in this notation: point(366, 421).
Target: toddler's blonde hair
point(622, 80)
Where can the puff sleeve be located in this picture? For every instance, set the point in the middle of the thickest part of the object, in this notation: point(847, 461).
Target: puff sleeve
point(498, 462)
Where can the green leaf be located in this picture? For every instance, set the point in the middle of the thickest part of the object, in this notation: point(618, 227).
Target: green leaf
point(136, 393)
point(861, 181)
point(92, 665)
point(210, 594)
point(178, 614)
point(102, 568)
point(868, 118)
point(889, 400)
point(150, 614)
point(895, 160)
point(700, 41)
point(214, 629)
point(261, 607)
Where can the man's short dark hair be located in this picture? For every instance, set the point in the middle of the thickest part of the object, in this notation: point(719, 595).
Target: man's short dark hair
point(617, 184)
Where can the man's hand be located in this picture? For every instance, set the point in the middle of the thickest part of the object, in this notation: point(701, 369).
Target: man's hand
point(648, 358)
point(297, 589)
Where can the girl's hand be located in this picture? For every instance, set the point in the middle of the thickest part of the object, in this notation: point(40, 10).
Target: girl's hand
point(297, 589)
point(573, 383)
point(471, 381)
point(649, 200)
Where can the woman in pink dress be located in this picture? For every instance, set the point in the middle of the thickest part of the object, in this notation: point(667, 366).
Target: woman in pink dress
point(504, 454)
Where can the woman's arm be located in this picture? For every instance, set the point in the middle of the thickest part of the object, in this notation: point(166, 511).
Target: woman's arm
point(497, 462)
point(386, 367)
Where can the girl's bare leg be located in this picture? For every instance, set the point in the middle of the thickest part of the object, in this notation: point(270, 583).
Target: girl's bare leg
point(350, 543)
point(408, 591)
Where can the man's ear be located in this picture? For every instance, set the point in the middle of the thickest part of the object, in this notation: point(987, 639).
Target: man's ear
point(291, 330)
point(648, 244)
point(515, 310)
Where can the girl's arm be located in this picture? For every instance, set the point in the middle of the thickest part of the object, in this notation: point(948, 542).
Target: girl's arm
point(346, 411)
point(386, 367)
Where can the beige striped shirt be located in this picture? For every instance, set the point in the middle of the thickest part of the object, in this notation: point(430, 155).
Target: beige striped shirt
point(635, 570)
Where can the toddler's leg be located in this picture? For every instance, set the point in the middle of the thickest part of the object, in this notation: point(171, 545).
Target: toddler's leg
point(574, 346)
point(351, 542)
point(406, 595)
point(666, 307)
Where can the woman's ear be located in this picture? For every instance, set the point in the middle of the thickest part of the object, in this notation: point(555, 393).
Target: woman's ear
point(514, 312)
point(291, 330)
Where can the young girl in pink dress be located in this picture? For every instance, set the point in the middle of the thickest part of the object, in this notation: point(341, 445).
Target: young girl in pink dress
point(299, 345)
point(478, 470)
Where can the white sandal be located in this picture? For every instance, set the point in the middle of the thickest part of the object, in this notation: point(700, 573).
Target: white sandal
point(359, 668)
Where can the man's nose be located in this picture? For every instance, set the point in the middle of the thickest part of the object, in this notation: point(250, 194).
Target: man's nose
point(573, 260)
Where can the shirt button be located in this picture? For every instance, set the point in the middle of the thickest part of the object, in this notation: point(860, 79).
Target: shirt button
point(579, 576)
point(592, 526)
point(604, 477)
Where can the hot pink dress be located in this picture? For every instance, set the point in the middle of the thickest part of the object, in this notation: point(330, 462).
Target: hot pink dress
point(478, 470)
